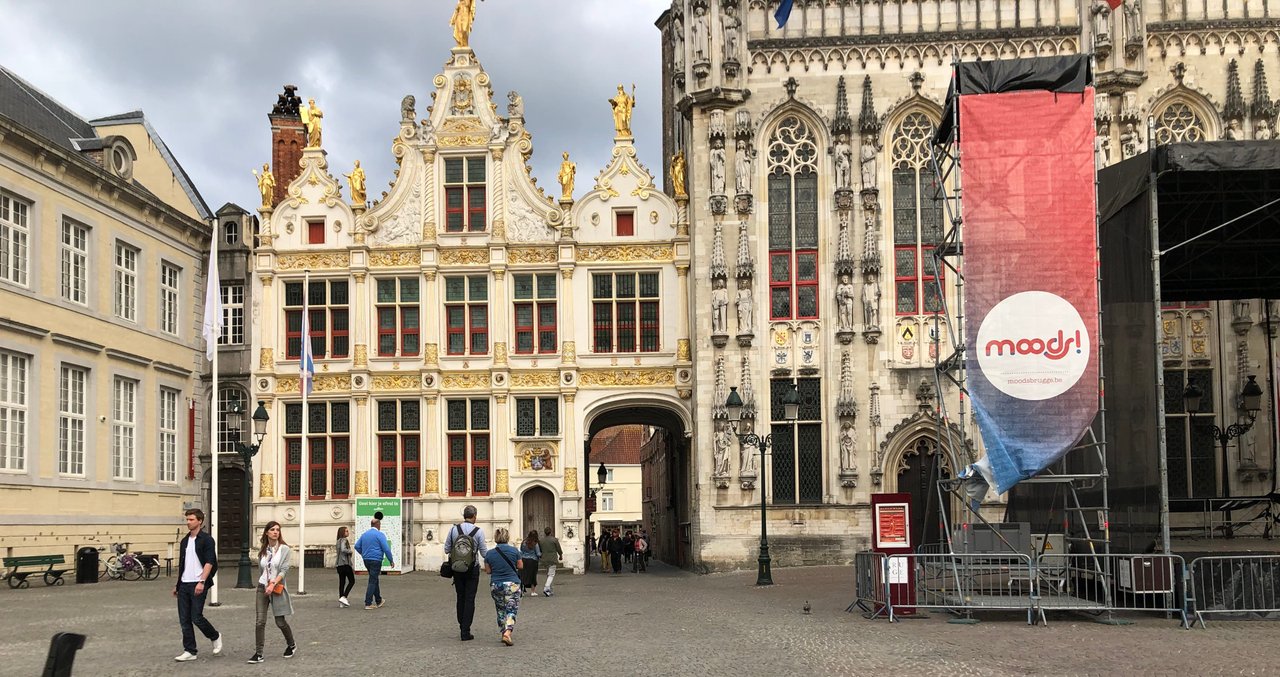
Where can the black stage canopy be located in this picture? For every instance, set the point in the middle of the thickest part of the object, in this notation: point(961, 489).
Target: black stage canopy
point(1064, 74)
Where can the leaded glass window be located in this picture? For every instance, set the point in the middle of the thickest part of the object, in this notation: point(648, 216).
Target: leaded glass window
point(793, 221)
point(918, 223)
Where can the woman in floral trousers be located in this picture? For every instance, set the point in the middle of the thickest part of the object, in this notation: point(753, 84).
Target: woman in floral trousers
point(502, 563)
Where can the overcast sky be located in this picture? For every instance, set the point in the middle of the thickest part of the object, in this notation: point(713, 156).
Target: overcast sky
point(207, 73)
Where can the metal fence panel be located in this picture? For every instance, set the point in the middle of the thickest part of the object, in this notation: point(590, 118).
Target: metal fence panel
point(871, 588)
point(1099, 583)
point(1242, 586)
point(963, 583)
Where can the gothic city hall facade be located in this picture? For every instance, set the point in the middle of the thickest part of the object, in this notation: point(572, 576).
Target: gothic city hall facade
point(471, 333)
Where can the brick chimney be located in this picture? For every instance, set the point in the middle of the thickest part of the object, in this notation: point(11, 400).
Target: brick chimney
point(288, 138)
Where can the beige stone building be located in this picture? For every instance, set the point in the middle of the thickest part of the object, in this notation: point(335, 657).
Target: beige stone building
point(103, 242)
point(809, 178)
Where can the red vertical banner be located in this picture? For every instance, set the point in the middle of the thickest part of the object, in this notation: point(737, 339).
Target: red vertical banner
point(1030, 267)
point(891, 535)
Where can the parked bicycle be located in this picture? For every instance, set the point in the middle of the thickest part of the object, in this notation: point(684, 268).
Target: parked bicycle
point(129, 566)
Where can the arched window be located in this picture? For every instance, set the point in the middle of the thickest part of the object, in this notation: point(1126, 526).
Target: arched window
point(1179, 122)
point(793, 221)
point(227, 438)
point(917, 218)
point(231, 232)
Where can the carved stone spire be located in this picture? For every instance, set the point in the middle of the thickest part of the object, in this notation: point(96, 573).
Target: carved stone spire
point(868, 121)
point(722, 392)
point(719, 266)
point(1233, 108)
point(844, 246)
point(841, 124)
point(748, 390)
point(846, 404)
point(746, 268)
point(1262, 107)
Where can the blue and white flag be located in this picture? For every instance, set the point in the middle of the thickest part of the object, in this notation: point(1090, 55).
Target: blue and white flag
point(306, 365)
point(783, 13)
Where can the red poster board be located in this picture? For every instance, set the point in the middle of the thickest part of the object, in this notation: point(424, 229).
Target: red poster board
point(891, 520)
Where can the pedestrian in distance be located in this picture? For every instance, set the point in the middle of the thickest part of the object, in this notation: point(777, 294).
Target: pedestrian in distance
point(273, 595)
point(503, 564)
point(603, 549)
point(464, 546)
point(648, 553)
point(616, 544)
point(197, 563)
point(552, 554)
point(346, 575)
point(638, 563)
point(530, 554)
point(628, 546)
point(373, 548)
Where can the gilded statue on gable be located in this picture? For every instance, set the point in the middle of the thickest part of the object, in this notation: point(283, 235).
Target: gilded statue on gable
point(464, 15)
point(677, 174)
point(311, 115)
point(266, 185)
point(567, 172)
point(356, 180)
point(622, 107)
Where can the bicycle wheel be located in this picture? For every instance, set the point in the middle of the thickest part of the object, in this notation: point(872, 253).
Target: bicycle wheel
point(131, 571)
point(152, 572)
point(103, 569)
point(112, 568)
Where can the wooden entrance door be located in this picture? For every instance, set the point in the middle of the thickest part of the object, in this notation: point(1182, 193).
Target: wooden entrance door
point(539, 511)
point(924, 467)
point(230, 511)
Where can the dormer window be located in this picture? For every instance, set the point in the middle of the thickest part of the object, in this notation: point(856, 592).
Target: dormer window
point(464, 194)
point(119, 159)
point(231, 232)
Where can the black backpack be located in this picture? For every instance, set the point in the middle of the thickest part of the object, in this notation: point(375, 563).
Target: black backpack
point(462, 556)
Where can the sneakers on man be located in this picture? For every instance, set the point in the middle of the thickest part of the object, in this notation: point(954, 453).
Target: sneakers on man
point(256, 658)
point(290, 650)
point(184, 657)
point(546, 593)
point(217, 644)
point(342, 602)
point(370, 606)
point(381, 602)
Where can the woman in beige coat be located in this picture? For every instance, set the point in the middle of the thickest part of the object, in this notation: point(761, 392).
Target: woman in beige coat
point(273, 557)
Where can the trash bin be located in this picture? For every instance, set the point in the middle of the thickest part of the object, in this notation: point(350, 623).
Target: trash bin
point(87, 565)
point(314, 558)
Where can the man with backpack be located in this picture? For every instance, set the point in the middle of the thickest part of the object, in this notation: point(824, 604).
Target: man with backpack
point(465, 548)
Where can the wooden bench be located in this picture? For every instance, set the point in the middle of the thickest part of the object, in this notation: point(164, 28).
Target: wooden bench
point(53, 568)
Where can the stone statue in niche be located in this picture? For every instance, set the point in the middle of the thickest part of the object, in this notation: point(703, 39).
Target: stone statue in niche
point(1132, 21)
point(742, 170)
point(1104, 149)
point(731, 26)
point(871, 301)
point(1130, 141)
point(1101, 21)
point(844, 304)
point(701, 37)
point(717, 167)
point(1262, 130)
point(515, 105)
point(746, 459)
point(677, 44)
point(847, 442)
point(407, 112)
point(745, 311)
point(719, 308)
point(1235, 132)
point(844, 162)
point(724, 439)
point(870, 155)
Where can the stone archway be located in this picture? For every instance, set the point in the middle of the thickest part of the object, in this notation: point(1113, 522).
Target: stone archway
point(921, 467)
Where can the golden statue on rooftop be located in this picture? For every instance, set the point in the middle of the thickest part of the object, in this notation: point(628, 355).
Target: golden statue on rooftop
point(311, 115)
point(356, 180)
point(266, 185)
point(567, 172)
point(464, 15)
point(677, 174)
point(622, 107)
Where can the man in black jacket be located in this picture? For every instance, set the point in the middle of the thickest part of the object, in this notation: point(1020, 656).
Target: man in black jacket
point(197, 562)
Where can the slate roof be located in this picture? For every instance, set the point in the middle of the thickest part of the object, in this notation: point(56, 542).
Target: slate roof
point(26, 105)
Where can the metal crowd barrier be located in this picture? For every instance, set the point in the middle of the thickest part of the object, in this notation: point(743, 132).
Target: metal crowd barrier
point(961, 583)
point(1102, 584)
point(1243, 586)
point(870, 585)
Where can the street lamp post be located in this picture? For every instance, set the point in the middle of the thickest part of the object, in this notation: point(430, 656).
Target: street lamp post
point(791, 411)
point(235, 415)
point(602, 474)
point(1251, 401)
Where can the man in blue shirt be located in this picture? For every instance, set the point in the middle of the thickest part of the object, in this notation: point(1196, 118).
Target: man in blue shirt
point(373, 546)
point(466, 583)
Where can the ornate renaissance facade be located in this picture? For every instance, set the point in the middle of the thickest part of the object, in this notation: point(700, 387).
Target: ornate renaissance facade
point(810, 199)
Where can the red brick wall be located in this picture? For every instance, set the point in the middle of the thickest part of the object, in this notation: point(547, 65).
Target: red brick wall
point(287, 141)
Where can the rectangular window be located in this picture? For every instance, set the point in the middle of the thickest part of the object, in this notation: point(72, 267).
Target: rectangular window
point(75, 262)
point(170, 282)
point(327, 304)
point(535, 312)
point(917, 229)
point(398, 317)
point(126, 282)
point(232, 314)
point(464, 194)
point(793, 245)
point(228, 436)
point(328, 457)
point(71, 420)
point(13, 411)
point(124, 422)
point(606, 501)
point(537, 416)
point(466, 313)
point(625, 312)
point(797, 445)
point(399, 448)
point(315, 232)
point(168, 461)
point(624, 223)
point(15, 229)
point(467, 423)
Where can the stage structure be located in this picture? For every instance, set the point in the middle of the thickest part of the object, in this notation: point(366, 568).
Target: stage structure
point(1022, 244)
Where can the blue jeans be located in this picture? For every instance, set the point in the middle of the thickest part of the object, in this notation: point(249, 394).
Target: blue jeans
point(191, 612)
point(373, 593)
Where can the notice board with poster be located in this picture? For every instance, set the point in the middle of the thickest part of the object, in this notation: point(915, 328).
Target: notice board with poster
point(392, 528)
point(891, 534)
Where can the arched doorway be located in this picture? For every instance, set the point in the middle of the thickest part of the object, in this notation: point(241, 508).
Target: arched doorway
point(923, 465)
point(539, 510)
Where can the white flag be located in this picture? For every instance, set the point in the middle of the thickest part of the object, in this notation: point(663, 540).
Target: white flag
point(212, 326)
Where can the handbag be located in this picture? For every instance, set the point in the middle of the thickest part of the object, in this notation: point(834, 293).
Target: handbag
point(446, 569)
point(278, 588)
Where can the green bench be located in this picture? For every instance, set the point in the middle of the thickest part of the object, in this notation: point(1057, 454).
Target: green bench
point(51, 566)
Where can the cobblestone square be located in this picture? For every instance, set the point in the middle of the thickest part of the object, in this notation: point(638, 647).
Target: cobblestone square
point(665, 622)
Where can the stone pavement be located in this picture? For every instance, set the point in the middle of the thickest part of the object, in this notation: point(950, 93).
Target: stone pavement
point(665, 622)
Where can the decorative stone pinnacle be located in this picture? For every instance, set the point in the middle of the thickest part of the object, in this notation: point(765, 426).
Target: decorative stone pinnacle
point(868, 121)
point(1233, 108)
point(841, 124)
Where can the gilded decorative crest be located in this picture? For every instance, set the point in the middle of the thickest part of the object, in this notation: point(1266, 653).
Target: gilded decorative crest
point(570, 479)
point(568, 352)
point(362, 482)
point(501, 484)
point(626, 377)
point(471, 256)
point(682, 350)
point(499, 352)
point(395, 382)
point(389, 258)
point(431, 353)
point(266, 359)
point(317, 261)
point(431, 483)
point(532, 255)
point(266, 485)
point(464, 380)
point(625, 252)
point(534, 379)
point(536, 458)
point(360, 356)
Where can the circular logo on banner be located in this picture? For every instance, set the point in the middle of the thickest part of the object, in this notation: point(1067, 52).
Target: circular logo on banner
point(1033, 345)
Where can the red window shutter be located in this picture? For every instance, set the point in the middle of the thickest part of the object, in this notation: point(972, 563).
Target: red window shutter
point(315, 232)
point(626, 224)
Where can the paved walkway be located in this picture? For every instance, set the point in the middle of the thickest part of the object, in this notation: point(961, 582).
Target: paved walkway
point(665, 622)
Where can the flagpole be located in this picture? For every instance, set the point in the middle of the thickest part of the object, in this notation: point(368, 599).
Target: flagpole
point(304, 383)
point(212, 278)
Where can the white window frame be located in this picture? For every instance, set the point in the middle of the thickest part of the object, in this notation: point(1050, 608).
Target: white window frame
point(73, 383)
point(608, 475)
point(15, 235)
point(170, 290)
point(167, 466)
point(124, 433)
point(75, 262)
point(126, 282)
point(14, 369)
point(232, 314)
point(606, 501)
point(229, 396)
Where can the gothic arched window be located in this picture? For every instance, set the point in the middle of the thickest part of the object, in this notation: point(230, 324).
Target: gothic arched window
point(793, 221)
point(917, 218)
point(1179, 122)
